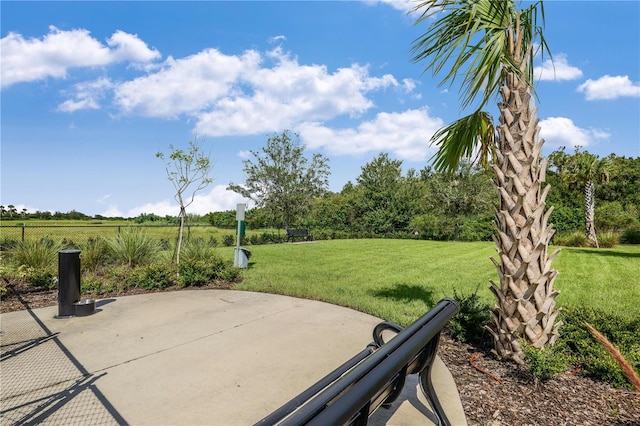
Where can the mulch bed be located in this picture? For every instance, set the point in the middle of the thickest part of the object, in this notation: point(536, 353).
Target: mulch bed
point(493, 393)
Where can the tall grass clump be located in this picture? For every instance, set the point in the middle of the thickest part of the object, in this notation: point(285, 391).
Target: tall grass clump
point(35, 262)
point(41, 254)
point(197, 249)
point(133, 247)
point(95, 253)
point(573, 239)
point(608, 239)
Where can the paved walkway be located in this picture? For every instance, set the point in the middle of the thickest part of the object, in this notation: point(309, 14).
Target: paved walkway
point(211, 357)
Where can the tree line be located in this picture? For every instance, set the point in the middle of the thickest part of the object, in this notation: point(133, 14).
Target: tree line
point(458, 205)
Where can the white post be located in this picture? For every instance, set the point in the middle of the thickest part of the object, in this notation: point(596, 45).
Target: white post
point(239, 219)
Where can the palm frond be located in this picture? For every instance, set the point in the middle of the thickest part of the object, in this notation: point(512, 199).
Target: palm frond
point(474, 39)
point(473, 135)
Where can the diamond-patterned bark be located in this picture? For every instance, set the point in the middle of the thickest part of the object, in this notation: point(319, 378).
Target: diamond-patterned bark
point(525, 294)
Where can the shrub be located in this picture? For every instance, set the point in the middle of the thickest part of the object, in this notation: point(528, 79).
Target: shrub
point(94, 254)
point(548, 362)
point(480, 229)
point(574, 239)
point(196, 249)
point(608, 239)
point(154, 276)
point(228, 240)
point(133, 247)
point(39, 255)
point(630, 236)
point(468, 325)
point(593, 357)
point(254, 240)
point(201, 272)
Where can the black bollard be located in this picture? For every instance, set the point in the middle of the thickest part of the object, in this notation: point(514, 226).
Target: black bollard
point(68, 281)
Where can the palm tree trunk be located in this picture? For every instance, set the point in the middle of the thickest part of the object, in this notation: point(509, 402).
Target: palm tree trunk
point(589, 213)
point(525, 294)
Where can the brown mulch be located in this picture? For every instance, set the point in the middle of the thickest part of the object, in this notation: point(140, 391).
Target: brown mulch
point(492, 392)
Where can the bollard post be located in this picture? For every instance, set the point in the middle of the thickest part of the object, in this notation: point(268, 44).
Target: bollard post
point(68, 281)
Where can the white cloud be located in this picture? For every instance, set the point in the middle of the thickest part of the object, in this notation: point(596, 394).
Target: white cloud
point(609, 87)
point(87, 95)
point(58, 51)
point(562, 131)
point(557, 70)
point(289, 93)
point(276, 39)
point(186, 85)
point(128, 47)
point(217, 199)
point(401, 5)
point(404, 134)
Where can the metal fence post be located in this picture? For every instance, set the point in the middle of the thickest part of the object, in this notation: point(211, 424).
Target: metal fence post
point(23, 226)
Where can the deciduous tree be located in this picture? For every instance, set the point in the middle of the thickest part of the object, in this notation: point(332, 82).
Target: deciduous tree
point(281, 179)
point(187, 170)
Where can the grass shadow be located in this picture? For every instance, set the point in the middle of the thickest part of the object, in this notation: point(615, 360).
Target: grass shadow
point(605, 252)
point(407, 292)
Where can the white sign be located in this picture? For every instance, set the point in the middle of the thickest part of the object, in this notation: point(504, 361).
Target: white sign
point(240, 212)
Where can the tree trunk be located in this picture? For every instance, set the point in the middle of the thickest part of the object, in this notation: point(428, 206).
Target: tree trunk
point(183, 214)
point(525, 295)
point(589, 215)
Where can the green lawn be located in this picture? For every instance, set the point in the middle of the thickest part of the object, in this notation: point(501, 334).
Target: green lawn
point(399, 280)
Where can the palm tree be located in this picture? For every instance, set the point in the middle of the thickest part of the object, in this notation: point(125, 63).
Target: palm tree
point(583, 168)
point(490, 45)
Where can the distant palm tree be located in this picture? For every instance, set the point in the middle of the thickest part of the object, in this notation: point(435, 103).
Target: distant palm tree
point(11, 209)
point(490, 45)
point(583, 169)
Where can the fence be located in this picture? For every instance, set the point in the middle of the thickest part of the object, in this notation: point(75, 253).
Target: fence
point(78, 235)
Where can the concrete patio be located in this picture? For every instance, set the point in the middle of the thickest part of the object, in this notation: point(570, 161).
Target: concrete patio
point(214, 357)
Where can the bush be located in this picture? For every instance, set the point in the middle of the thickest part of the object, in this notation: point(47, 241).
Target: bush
point(155, 276)
point(630, 236)
point(574, 239)
point(469, 324)
point(567, 219)
point(202, 272)
point(548, 362)
point(196, 249)
point(228, 240)
point(94, 254)
point(133, 247)
point(39, 255)
point(593, 358)
point(608, 239)
point(479, 229)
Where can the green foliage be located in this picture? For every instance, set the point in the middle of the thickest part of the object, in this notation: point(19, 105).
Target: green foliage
point(630, 236)
point(567, 219)
point(469, 325)
point(613, 216)
point(548, 362)
point(197, 249)
point(133, 247)
point(477, 229)
point(608, 239)
point(622, 332)
point(95, 254)
point(282, 180)
point(228, 240)
point(155, 276)
point(573, 239)
point(202, 272)
point(39, 255)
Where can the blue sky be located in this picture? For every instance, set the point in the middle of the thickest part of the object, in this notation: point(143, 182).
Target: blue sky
point(90, 91)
